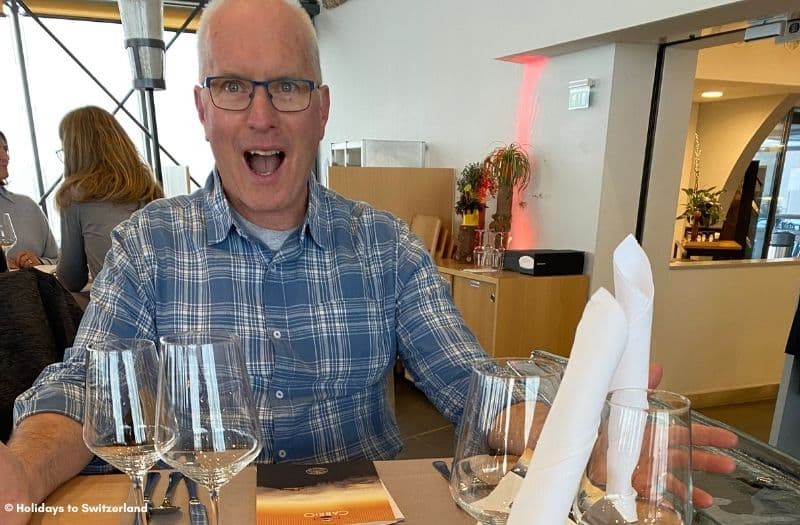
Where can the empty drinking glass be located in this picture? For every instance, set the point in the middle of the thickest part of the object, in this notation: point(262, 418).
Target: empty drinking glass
point(640, 468)
point(499, 251)
point(120, 408)
point(507, 402)
point(207, 426)
point(479, 252)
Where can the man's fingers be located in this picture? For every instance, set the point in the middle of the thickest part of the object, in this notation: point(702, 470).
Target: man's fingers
point(712, 462)
point(655, 374)
point(701, 498)
point(713, 436)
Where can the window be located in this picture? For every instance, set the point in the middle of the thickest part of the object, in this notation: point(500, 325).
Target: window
point(58, 85)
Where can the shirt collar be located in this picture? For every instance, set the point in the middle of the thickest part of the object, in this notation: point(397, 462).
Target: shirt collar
point(317, 221)
point(9, 196)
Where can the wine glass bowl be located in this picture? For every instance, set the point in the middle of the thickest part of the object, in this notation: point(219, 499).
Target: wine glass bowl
point(206, 422)
point(120, 407)
point(507, 402)
point(8, 237)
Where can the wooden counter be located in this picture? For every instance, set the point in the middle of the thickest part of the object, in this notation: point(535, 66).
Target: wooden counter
point(512, 313)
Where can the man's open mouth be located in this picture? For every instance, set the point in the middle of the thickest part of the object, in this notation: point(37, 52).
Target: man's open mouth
point(264, 162)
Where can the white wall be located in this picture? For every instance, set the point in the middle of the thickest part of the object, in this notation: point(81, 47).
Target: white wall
point(731, 133)
point(426, 70)
point(416, 74)
point(714, 328)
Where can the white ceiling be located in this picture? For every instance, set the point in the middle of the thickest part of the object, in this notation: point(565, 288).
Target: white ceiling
point(747, 69)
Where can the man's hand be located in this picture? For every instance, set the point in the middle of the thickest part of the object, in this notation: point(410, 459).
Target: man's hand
point(14, 489)
point(507, 434)
point(703, 435)
point(26, 259)
point(44, 451)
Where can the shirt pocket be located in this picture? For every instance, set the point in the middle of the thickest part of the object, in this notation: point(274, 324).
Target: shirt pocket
point(340, 348)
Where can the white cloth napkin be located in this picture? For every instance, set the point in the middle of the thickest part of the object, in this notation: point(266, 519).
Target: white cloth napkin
point(633, 289)
point(570, 430)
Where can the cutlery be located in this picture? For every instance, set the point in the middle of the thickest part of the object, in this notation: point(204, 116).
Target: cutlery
point(197, 511)
point(149, 487)
point(443, 469)
point(167, 506)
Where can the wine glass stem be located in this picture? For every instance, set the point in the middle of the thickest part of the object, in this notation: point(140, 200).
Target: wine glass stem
point(138, 493)
point(213, 494)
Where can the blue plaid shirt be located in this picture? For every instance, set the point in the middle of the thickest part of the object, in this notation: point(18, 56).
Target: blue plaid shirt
point(321, 320)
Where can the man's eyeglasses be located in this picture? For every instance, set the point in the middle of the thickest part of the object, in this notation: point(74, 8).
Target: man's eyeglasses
point(60, 154)
point(236, 94)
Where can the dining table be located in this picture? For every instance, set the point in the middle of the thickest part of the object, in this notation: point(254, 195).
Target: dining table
point(419, 490)
point(764, 489)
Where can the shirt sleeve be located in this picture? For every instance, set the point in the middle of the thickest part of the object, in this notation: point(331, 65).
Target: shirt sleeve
point(121, 306)
point(434, 342)
point(72, 269)
point(49, 253)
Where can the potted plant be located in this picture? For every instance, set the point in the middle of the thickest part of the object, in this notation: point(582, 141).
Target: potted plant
point(506, 168)
point(704, 200)
point(472, 185)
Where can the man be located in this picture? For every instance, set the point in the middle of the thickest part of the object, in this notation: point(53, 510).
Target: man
point(324, 293)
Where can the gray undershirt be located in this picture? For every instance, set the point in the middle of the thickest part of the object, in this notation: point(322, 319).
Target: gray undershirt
point(273, 239)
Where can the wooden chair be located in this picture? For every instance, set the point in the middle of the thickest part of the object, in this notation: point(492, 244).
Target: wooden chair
point(445, 245)
point(427, 228)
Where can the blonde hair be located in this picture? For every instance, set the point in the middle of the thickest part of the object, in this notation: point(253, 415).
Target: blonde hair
point(312, 45)
point(100, 161)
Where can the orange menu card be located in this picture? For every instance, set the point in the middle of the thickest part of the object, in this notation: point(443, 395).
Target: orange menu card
point(339, 493)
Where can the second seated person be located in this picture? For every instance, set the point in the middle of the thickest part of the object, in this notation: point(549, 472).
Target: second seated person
point(105, 181)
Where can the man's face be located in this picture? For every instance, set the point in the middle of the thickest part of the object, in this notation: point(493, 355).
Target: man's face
point(3, 160)
point(264, 156)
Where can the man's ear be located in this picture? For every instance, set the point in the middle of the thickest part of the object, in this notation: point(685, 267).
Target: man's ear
point(324, 108)
point(198, 104)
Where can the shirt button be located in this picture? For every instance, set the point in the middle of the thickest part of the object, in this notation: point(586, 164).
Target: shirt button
point(279, 394)
point(276, 334)
point(281, 453)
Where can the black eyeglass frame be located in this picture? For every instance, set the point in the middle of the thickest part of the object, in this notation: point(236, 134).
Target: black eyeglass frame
point(313, 85)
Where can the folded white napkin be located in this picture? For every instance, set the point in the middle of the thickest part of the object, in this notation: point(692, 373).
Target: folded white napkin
point(633, 289)
point(570, 430)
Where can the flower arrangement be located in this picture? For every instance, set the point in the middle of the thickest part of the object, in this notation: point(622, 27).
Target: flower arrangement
point(473, 187)
point(704, 200)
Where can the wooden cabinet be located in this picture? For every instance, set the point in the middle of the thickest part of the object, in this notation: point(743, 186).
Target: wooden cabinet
point(512, 313)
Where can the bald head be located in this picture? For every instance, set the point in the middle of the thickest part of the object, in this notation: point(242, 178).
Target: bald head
point(266, 11)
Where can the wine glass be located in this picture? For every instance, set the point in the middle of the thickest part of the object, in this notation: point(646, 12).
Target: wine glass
point(640, 467)
point(8, 237)
point(507, 402)
point(206, 421)
point(478, 251)
point(119, 411)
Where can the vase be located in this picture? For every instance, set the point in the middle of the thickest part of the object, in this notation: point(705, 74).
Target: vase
point(470, 219)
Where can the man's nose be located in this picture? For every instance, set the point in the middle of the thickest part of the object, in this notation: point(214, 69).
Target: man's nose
point(262, 112)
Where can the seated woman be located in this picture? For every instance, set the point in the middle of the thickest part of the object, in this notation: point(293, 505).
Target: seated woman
point(35, 242)
point(105, 181)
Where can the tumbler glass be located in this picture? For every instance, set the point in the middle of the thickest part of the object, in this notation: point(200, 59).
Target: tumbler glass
point(507, 402)
point(640, 468)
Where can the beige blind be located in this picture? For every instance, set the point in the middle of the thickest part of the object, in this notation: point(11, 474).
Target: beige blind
point(174, 17)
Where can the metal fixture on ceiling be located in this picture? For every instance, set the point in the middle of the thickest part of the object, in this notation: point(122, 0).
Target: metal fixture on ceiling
point(330, 4)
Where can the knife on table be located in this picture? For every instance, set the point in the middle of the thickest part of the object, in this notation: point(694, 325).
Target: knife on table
point(149, 487)
point(197, 511)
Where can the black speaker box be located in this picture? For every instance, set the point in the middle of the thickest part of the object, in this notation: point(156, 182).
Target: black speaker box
point(544, 262)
